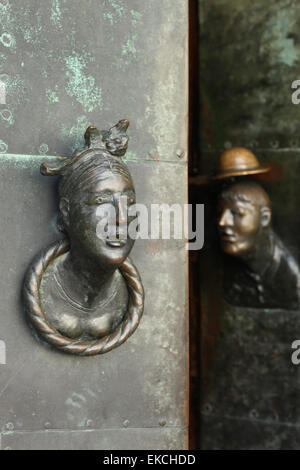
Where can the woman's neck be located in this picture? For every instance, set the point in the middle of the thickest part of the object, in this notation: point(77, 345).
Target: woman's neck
point(85, 280)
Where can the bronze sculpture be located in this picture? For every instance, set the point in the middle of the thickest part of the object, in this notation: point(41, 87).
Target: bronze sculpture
point(239, 161)
point(261, 272)
point(83, 294)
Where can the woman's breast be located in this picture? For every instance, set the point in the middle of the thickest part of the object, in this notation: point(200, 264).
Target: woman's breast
point(70, 325)
point(82, 324)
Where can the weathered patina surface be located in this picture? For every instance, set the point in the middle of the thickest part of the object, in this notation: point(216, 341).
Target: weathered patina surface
point(69, 64)
point(139, 385)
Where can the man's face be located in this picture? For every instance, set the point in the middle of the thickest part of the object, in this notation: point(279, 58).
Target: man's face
point(239, 225)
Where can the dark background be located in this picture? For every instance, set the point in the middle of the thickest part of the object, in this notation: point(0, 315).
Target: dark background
point(244, 57)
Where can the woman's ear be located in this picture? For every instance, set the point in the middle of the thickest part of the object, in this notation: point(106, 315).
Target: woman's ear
point(64, 210)
point(266, 216)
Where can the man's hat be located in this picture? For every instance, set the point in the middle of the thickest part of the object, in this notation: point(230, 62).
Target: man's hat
point(239, 161)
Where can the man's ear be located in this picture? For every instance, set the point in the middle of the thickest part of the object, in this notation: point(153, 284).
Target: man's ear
point(266, 216)
point(64, 210)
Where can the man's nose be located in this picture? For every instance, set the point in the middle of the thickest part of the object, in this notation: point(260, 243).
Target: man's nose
point(225, 218)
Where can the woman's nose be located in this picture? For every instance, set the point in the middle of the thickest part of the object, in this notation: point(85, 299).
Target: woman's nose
point(121, 210)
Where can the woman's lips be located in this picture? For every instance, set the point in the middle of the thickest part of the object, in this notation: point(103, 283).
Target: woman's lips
point(116, 243)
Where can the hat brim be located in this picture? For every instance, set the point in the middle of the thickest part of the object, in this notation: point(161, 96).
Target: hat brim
point(229, 173)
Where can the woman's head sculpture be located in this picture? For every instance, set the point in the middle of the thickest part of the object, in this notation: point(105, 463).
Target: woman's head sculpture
point(96, 176)
point(89, 277)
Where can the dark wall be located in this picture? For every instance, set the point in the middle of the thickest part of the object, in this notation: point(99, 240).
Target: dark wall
point(249, 55)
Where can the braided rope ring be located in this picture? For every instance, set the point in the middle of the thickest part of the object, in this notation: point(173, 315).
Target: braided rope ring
point(33, 306)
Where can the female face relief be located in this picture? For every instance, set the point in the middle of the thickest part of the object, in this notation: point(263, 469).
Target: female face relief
point(96, 217)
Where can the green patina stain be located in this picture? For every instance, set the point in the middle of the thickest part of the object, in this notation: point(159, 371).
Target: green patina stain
point(118, 7)
point(4, 4)
point(82, 423)
point(43, 149)
point(117, 13)
point(82, 86)
point(76, 132)
point(277, 33)
point(7, 40)
point(129, 48)
point(16, 89)
point(3, 147)
point(20, 161)
point(79, 395)
point(7, 20)
point(7, 116)
point(136, 17)
point(90, 392)
point(129, 156)
point(128, 53)
point(27, 35)
point(16, 95)
point(33, 32)
point(52, 96)
point(55, 16)
point(3, 59)
point(71, 402)
point(109, 17)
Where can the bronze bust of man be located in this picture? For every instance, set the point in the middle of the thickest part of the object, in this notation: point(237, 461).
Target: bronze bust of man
point(83, 294)
point(261, 272)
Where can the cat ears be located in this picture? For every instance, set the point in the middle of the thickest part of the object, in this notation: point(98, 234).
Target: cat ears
point(98, 139)
point(120, 128)
point(94, 139)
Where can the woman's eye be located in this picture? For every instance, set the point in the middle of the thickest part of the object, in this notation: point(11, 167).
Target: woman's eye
point(98, 200)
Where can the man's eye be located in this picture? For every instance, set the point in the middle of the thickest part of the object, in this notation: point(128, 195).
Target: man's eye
point(238, 212)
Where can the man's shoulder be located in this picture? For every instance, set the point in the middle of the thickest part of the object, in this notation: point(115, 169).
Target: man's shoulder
point(284, 262)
